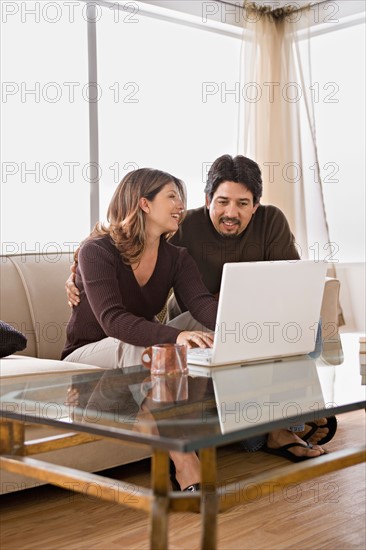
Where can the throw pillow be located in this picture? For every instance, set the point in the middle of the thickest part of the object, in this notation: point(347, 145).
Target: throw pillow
point(11, 340)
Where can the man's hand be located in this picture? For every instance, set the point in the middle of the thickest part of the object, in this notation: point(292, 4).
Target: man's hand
point(196, 339)
point(72, 291)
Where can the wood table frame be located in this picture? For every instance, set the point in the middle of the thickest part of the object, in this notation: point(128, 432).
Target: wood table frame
point(160, 500)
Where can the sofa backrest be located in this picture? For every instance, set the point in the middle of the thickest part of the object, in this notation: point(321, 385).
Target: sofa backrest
point(33, 300)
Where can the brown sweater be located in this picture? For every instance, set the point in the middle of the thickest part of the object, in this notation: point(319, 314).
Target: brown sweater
point(267, 237)
point(113, 304)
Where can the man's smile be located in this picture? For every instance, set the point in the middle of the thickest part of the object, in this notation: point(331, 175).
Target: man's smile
point(230, 222)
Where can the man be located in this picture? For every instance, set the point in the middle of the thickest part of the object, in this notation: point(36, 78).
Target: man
point(234, 227)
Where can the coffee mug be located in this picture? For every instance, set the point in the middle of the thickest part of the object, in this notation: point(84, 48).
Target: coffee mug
point(165, 359)
point(169, 371)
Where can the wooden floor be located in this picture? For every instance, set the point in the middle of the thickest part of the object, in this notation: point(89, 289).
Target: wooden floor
point(328, 512)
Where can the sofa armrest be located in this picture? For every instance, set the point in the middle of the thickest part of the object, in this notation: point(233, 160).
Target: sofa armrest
point(332, 352)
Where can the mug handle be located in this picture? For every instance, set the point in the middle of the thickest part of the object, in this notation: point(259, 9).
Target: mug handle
point(148, 352)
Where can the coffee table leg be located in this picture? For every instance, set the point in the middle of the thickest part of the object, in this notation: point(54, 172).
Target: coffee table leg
point(11, 437)
point(160, 503)
point(209, 499)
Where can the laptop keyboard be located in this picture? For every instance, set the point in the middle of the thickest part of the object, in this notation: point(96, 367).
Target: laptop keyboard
point(204, 354)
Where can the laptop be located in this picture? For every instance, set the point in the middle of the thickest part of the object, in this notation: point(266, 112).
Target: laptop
point(266, 311)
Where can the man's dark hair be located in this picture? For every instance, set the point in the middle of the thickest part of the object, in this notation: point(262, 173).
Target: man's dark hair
point(239, 169)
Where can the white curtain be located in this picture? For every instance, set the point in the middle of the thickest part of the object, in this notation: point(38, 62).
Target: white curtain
point(279, 127)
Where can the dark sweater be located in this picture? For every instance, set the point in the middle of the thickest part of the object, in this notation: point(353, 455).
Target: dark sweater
point(113, 304)
point(267, 237)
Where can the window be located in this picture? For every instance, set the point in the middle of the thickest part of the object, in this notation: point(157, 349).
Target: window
point(45, 151)
point(338, 63)
point(168, 96)
point(169, 99)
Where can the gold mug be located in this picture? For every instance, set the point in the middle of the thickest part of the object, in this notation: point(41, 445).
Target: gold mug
point(169, 371)
point(165, 359)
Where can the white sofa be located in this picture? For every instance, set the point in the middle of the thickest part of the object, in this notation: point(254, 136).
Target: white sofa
point(33, 300)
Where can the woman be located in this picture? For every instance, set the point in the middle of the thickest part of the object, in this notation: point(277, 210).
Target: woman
point(124, 274)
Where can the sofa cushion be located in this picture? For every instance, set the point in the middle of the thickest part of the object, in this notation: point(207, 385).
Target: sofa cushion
point(20, 365)
point(11, 340)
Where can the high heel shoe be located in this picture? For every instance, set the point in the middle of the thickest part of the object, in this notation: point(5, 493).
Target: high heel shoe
point(176, 487)
point(192, 488)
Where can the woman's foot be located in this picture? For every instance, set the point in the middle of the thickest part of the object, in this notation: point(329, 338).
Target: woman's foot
point(280, 438)
point(187, 469)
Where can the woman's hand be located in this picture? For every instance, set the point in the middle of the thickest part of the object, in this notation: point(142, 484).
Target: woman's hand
point(196, 339)
point(72, 291)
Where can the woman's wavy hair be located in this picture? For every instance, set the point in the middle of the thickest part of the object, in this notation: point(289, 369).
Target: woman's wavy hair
point(126, 220)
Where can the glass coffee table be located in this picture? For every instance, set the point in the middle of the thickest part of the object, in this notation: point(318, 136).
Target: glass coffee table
point(187, 413)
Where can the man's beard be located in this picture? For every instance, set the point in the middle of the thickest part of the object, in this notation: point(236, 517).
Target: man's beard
point(230, 235)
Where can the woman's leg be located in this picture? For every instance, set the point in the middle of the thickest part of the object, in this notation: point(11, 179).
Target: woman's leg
point(108, 353)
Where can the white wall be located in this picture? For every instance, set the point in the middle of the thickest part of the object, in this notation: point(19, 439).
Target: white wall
point(352, 295)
